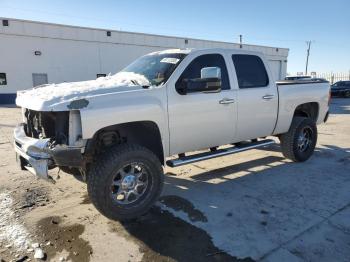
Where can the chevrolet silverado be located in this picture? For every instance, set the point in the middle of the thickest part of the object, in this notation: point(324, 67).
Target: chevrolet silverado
point(117, 132)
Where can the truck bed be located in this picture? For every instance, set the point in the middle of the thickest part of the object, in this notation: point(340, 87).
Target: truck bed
point(296, 92)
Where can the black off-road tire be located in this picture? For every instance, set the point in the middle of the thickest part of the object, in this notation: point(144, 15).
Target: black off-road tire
point(289, 140)
point(102, 171)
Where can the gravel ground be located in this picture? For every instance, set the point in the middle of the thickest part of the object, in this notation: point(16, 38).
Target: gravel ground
point(252, 206)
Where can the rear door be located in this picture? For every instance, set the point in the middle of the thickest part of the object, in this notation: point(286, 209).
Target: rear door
point(199, 120)
point(257, 101)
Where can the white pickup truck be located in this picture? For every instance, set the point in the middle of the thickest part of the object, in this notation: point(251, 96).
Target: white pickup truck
point(116, 132)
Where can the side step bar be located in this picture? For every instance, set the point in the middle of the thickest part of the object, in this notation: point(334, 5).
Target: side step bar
point(220, 152)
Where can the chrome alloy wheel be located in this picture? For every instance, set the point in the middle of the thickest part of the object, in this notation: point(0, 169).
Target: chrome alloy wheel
point(129, 184)
point(305, 139)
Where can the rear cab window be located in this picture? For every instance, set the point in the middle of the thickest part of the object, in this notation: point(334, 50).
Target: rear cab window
point(250, 71)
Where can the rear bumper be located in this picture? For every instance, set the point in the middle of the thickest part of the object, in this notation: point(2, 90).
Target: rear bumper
point(37, 156)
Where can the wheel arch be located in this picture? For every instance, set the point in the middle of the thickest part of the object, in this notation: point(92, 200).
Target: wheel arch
point(288, 112)
point(309, 110)
point(143, 133)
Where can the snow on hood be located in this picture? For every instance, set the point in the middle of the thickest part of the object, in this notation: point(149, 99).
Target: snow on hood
point(65, 92)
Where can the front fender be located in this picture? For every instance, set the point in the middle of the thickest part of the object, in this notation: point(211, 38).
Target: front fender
point(143, 105)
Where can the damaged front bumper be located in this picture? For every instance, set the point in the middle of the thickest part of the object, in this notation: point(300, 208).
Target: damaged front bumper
point(38, 157)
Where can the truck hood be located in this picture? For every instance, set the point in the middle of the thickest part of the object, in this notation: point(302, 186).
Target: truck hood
point(76, 95)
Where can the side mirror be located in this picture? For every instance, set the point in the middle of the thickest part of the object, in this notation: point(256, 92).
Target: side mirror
point(206, 85)
point(211, 72)
point(210, 81)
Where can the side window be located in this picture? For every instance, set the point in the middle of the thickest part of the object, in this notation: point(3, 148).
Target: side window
point(3, 80)
point(250, 71)
point(193, 70)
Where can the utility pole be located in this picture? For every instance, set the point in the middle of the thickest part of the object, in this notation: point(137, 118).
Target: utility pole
point(240, 41)
point(307, 55)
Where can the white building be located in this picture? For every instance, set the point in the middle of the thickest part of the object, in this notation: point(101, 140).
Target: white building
point(33, 53)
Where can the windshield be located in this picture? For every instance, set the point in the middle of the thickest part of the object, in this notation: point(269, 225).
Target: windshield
point(156, 68)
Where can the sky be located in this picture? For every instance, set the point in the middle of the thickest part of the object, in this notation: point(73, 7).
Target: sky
point(278, 23)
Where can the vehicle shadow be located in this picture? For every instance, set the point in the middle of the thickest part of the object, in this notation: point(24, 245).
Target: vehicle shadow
point(246, 210)
point(8, 106)
point(244, 166)
point(330, 151)
point(5, 125)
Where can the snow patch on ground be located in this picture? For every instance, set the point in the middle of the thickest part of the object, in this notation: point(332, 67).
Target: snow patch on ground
point(11, 232)
point(72, 90)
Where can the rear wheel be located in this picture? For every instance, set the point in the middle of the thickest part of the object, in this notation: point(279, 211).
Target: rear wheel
point(298, 144)
point(124, 182)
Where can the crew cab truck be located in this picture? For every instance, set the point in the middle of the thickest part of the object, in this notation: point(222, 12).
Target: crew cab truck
point(117, 132)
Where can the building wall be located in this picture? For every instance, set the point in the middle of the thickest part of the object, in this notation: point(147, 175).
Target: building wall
point(70, 53)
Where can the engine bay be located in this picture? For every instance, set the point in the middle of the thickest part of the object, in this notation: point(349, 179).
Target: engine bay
point(53, 125)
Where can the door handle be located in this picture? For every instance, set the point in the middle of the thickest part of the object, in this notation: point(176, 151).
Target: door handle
point(268, 97)
point(226, 101)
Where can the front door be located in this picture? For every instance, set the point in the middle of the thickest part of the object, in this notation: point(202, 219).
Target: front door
point(200, 120)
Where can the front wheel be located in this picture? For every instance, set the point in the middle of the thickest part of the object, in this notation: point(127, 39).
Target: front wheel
point(298, 144)
point(125, 181)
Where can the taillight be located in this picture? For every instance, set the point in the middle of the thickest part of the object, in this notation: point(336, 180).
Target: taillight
point(329, 97)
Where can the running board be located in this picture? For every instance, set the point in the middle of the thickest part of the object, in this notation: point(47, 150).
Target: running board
point(220, 152)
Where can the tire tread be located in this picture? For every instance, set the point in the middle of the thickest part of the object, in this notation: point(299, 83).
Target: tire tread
point(102, 165)
point(288, 139)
